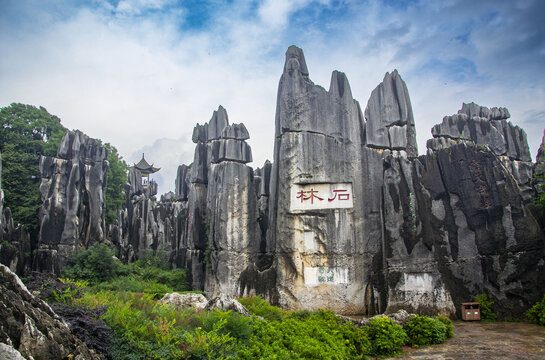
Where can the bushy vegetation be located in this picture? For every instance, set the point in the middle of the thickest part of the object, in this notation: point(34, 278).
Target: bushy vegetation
point(125, 298)
point(537, 313)
point(26, 132)
point(487, 314)
point(423, 330)
point(386, 337)
point(115, 189)
point(98, 266)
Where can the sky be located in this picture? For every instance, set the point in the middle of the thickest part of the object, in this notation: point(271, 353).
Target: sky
point(140, 74)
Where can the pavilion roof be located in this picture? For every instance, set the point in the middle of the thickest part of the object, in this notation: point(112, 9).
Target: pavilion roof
point(145, 167)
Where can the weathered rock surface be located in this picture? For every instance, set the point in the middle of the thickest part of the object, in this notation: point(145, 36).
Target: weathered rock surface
point(422, 234)
point(539, 168)
point(490, 128)
point(180, 301)
point(348, 217)
point(389, 115)
point(144, 225)
point(210, 225)
point(225, 303)
point(72, 188)
point(29, 329)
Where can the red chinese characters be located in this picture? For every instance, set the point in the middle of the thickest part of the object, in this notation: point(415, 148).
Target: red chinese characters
point(312, 195)
point(341, 195)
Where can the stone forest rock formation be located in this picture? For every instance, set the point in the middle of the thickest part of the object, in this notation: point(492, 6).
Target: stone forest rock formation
point(348, 217)
point(72, 188)
point(422, 233)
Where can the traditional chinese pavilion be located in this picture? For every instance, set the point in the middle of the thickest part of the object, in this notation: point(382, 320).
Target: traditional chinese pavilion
point(145, 169)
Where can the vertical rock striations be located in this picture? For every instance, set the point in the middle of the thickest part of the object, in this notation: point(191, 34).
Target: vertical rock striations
point(359, 224)
point(220, 243)
point(318, 150)
point(389, 115)
point(489, 128)
point(539, 168)
point(72, 188)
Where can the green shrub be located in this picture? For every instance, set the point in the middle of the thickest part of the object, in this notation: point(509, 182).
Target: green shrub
point(233, 323)
point(448, 325)
point(258, 306)
point(95, 264)
point(537, 313)
point(486, 307)
point(135, 284)
point(386, 336)
point(423, 330)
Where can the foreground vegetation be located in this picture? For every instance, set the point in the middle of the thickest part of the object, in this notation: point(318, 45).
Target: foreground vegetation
point(124, 300)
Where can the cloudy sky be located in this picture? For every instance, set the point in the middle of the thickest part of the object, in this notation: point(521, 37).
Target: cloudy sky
point(141, 73)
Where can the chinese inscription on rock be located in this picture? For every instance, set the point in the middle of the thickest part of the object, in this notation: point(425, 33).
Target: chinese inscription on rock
point(321, 196)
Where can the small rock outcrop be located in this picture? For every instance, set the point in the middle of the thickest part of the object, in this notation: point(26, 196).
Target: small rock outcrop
point(72, 188)
point(224, 302)
point(180, 301)
point(29, 329)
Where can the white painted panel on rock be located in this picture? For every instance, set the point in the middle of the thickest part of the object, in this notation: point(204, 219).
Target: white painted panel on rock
point(321, 196)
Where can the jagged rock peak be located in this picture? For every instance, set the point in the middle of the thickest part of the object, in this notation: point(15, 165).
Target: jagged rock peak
point(235, 131)
point(339, 85)
point(389, 115)
point(295, 60)
point(217, 123)
point(540, 157)
point(75, 144)
point(475, 110)
point(213, 129)
point(483, 126)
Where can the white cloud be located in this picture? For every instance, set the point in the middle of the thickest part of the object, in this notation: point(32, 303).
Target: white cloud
point(135, 72)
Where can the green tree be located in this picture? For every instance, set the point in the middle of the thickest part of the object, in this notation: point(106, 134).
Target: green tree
point(26, 133)
point(115, 188)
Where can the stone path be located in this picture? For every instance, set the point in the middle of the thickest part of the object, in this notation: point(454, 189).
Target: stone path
point(478, 340)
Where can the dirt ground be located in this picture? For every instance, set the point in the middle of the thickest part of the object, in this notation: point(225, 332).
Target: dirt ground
point(479, 340)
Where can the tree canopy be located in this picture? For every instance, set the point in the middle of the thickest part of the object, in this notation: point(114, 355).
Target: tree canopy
point(28, 132)
point(115, 188)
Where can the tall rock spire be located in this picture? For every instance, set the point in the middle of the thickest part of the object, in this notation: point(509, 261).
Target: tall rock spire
point(389, 115)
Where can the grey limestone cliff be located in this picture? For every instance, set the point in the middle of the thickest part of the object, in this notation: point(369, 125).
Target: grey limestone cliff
point(72, 188)
point(490, 128)
point(359, 224)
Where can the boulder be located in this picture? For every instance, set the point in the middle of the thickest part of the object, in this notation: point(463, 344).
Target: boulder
point(30, 329)
point(225, 303)
point(180, 301)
